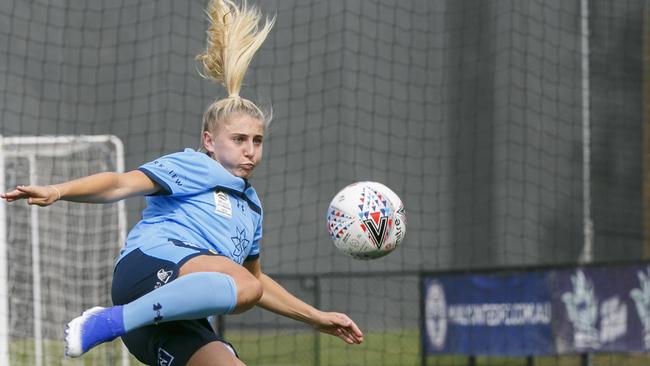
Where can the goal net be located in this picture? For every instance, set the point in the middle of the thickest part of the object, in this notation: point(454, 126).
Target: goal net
point(55, 261)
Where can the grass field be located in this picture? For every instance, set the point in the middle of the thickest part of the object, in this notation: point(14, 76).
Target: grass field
point(385, 349)
point(300, 349)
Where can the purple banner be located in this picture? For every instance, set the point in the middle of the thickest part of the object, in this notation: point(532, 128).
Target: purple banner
point(602, 309)
point(563, 311)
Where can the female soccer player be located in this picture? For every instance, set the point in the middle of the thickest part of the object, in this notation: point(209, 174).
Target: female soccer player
point(195, 253)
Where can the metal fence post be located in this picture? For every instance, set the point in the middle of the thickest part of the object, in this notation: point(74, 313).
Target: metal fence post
point(317, 304)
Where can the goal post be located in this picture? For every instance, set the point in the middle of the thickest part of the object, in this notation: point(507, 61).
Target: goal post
point(56, 261)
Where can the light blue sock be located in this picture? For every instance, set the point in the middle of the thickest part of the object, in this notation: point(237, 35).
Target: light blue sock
point(193, 296)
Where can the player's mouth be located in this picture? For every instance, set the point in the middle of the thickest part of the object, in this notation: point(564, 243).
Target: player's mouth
point(247, 167)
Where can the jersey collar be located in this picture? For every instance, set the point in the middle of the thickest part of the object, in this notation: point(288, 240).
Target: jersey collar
point(235, 184)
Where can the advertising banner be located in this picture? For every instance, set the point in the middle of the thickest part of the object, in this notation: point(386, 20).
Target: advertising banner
point(602, 309)
point(575, 310)
point(488, 314)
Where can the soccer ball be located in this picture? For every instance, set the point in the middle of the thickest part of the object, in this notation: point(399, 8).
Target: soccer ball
point(366, 220)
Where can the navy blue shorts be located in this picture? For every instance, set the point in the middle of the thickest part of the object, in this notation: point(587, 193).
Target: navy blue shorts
point(169, 343)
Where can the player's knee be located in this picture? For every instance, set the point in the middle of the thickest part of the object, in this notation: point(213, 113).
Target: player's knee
point(249, 292)
point(256, 291)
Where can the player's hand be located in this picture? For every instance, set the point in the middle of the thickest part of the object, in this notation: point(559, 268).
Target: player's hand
point(339, 325)
point(35, 195)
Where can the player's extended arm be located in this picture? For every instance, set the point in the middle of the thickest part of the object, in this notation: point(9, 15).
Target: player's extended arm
point(278, 300)
point(97, 188)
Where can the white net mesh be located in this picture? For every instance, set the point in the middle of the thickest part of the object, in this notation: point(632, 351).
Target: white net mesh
point(60, 258)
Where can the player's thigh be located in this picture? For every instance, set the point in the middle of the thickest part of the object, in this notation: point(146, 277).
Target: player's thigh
point(176, 343)
point(249, 288)
point(214, 354)
point(214, 263)
point(150, 266)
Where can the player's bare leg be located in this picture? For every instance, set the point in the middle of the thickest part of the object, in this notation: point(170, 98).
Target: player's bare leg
point(214, 354)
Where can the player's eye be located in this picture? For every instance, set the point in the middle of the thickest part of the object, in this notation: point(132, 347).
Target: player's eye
point(257, 141)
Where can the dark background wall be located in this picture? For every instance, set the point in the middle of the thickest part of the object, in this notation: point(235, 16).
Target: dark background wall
point(470, 110)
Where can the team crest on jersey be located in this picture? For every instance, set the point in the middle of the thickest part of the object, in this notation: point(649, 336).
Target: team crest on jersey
point(222, 204)
point(164, 275)
point(240, 243)
point(164, 358)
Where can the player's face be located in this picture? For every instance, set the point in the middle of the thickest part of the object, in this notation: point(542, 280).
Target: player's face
point(237, 144)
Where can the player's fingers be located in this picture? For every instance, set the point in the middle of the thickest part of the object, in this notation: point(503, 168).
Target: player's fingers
point(348, 323)
point(347, 340)
point(352, 337)
point(343, 335)
point(341, 326)
point(347, 330)
point(356, 331)
point(14, 192)
point(14, 195)
point(32, 191)
point(37, 195)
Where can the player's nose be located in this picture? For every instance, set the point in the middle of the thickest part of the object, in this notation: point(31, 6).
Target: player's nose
point(249, 149)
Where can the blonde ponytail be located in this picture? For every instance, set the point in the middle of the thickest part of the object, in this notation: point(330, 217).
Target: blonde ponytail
point(234, 36)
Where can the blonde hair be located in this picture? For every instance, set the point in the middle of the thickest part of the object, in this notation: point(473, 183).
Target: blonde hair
point(234, 36)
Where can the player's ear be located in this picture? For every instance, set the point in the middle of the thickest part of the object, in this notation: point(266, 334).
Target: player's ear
point(208, 142)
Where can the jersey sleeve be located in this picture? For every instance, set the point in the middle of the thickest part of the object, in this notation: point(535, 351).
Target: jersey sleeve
point(255, 248)
point(183, 173)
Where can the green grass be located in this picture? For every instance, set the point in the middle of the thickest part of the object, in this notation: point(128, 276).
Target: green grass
point(22, 353)
point(397, 348)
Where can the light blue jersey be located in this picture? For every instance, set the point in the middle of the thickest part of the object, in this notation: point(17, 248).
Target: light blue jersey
point(201, 205)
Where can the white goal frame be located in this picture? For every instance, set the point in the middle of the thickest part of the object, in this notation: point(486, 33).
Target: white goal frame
point(65, 144)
